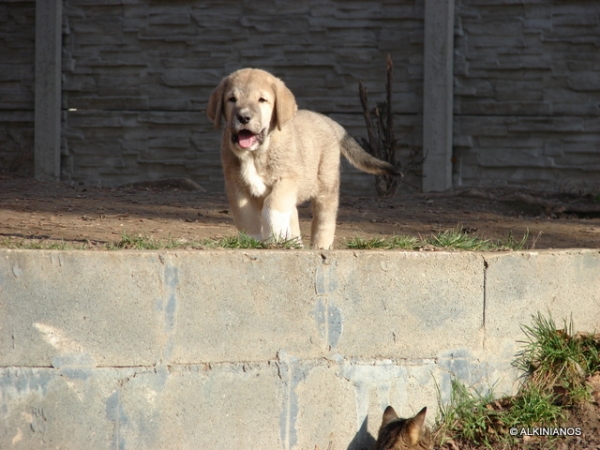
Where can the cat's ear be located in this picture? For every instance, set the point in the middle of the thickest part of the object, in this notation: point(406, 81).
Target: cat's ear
point(388, 416)
point(415, 427)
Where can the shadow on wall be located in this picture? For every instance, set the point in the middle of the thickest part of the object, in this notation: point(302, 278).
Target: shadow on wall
point(362, 439)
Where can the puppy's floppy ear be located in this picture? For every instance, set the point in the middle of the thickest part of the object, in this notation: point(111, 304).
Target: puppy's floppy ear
point(215, 104)
point(285, 104)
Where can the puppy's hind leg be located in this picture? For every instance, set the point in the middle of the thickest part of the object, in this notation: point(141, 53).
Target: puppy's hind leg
point(322, 229)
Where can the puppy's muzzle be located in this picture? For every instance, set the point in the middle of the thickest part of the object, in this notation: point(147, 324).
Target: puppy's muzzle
point(246, 138)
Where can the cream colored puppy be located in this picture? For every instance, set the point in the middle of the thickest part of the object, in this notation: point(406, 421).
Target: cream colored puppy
point(276, 157)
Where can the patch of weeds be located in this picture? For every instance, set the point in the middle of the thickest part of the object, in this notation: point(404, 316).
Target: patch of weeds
point(403, 242)
point(140, 242)
point(557, 361)
point(358, 243)
point(243, 241)
point(455, 239)
point(137, 242)
point(466, 417)
point(459, 240)
point(556, 365)
point(512, 243)
point(533, 407)
point(281, 243)
point(395, 242)
point(483, 421)
point(589, 345)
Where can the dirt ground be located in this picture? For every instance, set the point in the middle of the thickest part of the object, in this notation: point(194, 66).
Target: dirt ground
point(31, 209)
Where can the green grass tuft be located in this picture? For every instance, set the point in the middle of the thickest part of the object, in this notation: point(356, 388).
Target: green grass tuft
point(466, 417)
point(359, 243)
point(557, 360)
point(243, 241)
point(137, 242)
point(555, 364)
point(455, 239)
point(533, 407)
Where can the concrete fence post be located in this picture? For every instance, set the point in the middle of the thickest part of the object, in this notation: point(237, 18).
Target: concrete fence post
point(438, 95)
point(48, 48)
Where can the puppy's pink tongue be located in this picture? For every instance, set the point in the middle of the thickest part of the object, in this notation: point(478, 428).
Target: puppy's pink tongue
point(246, 139)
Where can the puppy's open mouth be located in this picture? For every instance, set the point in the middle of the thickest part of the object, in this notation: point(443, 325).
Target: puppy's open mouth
point(246, 138)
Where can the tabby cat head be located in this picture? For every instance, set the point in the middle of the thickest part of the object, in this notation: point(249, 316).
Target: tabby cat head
point(403, 434)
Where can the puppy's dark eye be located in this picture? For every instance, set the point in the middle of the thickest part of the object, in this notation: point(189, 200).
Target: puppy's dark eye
point(232, 99)
point(262, 100)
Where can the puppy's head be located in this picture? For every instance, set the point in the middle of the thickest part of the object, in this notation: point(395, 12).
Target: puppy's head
point(253, 103)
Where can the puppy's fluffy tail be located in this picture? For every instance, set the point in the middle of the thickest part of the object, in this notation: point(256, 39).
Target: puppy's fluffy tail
point(362, 160)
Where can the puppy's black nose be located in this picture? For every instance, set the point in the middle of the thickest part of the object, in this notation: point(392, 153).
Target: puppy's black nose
point(243, 118)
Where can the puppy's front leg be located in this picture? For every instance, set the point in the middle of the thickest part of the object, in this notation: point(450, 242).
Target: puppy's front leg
point(280, 215)
point(246, 211)
point(277, 224)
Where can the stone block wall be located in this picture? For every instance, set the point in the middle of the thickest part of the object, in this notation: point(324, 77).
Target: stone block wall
point(527, 93)
point(137, 76)
point(17, 56)
point(174, 350)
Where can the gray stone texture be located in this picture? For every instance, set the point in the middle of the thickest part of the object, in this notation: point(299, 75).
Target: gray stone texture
point(527, 94)
point(17, 57)
point(139, 76)
point(136, 78)
point(262, 349)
